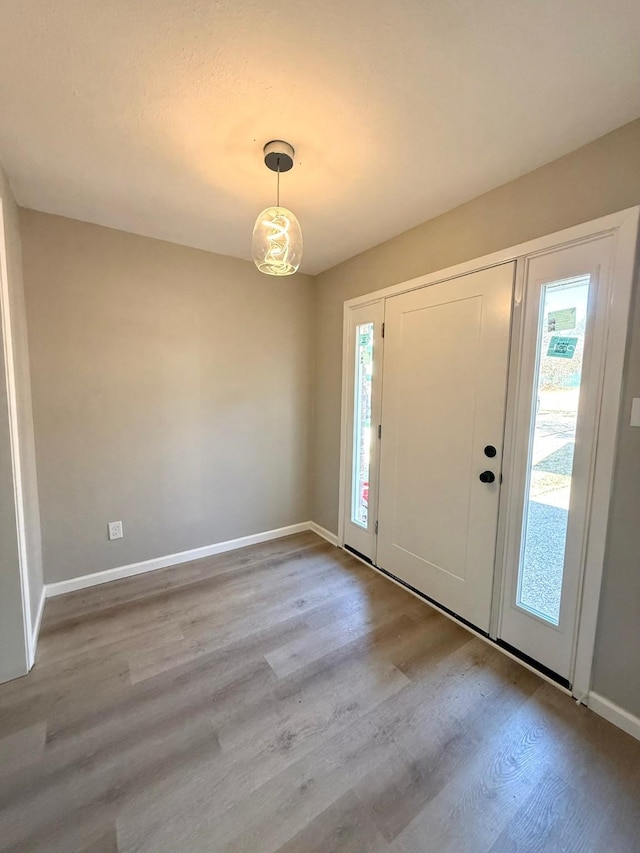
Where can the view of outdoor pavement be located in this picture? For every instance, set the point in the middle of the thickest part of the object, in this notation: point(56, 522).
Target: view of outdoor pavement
point(549, 500)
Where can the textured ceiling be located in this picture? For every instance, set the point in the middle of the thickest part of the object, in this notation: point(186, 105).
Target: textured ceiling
point(150, 115)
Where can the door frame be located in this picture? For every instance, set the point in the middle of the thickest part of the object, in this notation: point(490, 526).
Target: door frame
point(580, 520)
point(623, 225)
point(346, 470)
point(6, 324)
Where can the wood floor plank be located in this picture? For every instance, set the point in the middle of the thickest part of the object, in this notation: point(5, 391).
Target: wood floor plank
point(57, 688)
point(438, 741)
point(344, 826)
point(91, 791)
point(469, 813)
point(22, 748)
point(227, 645)
point(285, 697)
point(297, 786)
point(547, 820)
point(295, 719)
point(360, 622)
point(147, 585)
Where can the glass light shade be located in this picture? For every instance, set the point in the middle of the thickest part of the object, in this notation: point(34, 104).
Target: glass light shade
point(277, 242)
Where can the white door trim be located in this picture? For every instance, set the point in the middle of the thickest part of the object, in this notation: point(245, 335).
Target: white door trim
point(344, 497)
point(360, 539)
point(624, 225)
point(14, 437)
point(624, 219)
point(513, 391)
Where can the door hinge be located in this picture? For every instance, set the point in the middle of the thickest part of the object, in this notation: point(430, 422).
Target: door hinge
point(376, 528)
point(379, 430)
point(383, 330)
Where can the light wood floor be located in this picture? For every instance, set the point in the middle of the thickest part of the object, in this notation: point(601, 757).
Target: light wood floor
point(285, 697)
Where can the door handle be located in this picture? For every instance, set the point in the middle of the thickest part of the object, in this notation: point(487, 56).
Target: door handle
point(487, 477)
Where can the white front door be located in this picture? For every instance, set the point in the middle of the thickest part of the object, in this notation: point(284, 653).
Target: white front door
point(567, 294)
point(443, 411)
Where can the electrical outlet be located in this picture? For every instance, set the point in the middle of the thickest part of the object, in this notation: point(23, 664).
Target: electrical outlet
point(115, 530)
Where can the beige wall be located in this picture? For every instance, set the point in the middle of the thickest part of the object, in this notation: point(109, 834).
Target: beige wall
point(171, 390)
point(597, 179)
point(12, 645)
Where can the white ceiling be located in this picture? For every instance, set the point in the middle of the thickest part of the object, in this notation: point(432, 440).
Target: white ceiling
point(150, 115)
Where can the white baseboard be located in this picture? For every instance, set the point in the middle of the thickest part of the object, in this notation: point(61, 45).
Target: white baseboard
point(62, 587)
point(326, 534)
point(615, 714)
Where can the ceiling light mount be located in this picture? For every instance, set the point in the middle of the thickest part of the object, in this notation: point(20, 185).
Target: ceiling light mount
point(278, 155)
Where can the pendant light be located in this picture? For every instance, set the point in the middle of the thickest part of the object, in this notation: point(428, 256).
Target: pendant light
point(277, 236)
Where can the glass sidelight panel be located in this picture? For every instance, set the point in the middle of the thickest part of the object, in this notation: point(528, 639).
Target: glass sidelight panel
point(556, 393)
point(362, 424)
